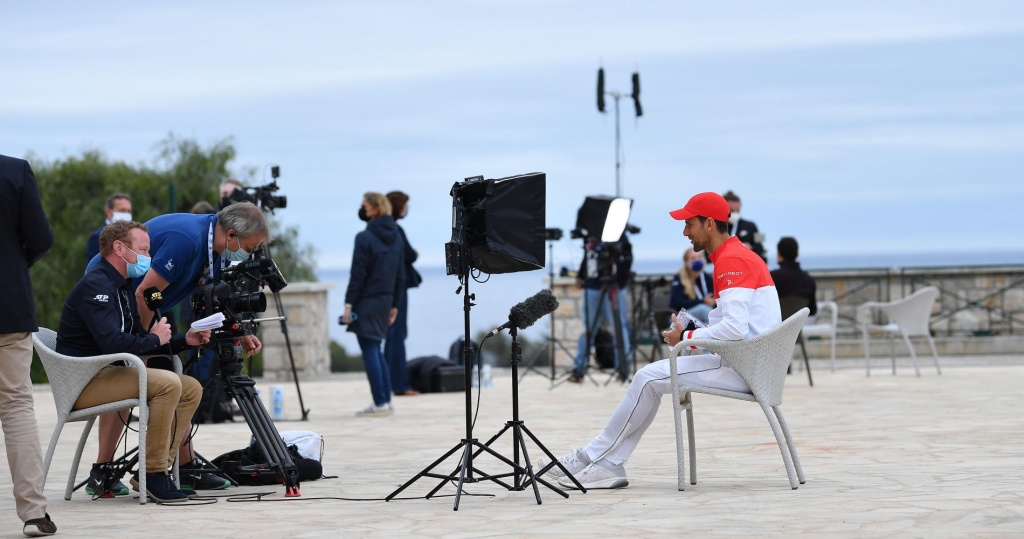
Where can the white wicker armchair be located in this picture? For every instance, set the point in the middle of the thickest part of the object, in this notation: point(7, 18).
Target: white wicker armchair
point(761, 362)
point(907, 317)
point(68, 377)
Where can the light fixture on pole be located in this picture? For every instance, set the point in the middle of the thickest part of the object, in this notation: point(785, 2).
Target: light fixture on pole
point(635, 94)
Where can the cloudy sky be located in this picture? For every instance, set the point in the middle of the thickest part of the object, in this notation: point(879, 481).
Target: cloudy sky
point(856, 126)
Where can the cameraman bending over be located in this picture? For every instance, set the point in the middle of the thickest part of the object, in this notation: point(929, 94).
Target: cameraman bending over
point(100, 317)
point(747, 305)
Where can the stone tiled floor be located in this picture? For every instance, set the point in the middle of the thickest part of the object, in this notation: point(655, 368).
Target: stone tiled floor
point(884, 456)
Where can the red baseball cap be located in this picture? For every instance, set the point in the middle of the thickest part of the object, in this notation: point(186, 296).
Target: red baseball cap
point(704, 205)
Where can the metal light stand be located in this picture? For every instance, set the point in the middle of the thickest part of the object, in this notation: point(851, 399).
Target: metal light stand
point(552, 341)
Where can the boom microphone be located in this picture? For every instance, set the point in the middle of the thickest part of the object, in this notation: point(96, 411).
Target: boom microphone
point(524, 314)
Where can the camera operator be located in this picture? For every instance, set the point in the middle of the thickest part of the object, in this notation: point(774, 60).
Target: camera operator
point(100, 317)
point(188, 250)
point(604, 275)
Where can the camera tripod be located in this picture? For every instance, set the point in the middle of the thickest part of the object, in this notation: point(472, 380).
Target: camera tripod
point(552, 341)
point(471, 448)
point(243, 389)
point(288, 344)
point(645, 320)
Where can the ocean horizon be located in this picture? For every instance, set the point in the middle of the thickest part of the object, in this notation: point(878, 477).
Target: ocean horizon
point(436, 315)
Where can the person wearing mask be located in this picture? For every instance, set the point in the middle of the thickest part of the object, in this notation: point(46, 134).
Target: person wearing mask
point(693, 288)
point(744, 229)
point(394, 345)
point(25, 236)
point(118, 208)
point(375, 286)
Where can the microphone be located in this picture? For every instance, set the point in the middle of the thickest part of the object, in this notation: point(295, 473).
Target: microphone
point(524, 314)
point(154, 301)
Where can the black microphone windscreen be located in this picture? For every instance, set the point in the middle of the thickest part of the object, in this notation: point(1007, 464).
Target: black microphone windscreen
point(536, 307)
point(153, 297)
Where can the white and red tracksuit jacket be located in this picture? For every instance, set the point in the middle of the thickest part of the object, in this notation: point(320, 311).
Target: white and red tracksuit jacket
point(747, 302)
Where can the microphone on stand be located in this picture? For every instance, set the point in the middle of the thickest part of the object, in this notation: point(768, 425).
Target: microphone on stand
point(154, 301)
point(525, 313)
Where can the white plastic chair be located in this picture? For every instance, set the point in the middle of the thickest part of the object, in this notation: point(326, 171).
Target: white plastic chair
point(907, 317)
point(815, 327)
point(761, 362)
point(68, 377)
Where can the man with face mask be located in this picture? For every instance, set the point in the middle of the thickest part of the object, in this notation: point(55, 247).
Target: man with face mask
point(100, 317)
point(743, 229)
point(118, 208)
point(189, 250)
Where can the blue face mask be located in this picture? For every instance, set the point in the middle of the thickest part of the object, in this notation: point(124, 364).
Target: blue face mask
point(697, 265)
point(236, 256)
point(140, 267)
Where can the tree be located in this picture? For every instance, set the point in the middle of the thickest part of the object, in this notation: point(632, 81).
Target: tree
point(74, 191)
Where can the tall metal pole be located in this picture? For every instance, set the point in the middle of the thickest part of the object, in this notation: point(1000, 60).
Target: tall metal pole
point(618, 150)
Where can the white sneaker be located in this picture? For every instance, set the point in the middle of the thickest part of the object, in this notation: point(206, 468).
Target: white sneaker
point(376, 411)
point(597, 476)
point(572, 462)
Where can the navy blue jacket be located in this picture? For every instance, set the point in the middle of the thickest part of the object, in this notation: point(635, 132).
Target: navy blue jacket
point(791, 280)
point(100, 317)
point(679, 300)
point(377, 277)
point(412, 277)
point(25, 237)
point(92, 245)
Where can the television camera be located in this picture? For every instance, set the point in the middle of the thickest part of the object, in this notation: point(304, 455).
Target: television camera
point(262, 196)
point(238, 296)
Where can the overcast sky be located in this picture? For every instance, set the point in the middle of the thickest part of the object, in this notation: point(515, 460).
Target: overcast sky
point(858, 127)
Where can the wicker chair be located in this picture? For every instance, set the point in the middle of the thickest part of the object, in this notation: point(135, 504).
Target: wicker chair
point(68, 377)
point(761, 362)
point(907, 317)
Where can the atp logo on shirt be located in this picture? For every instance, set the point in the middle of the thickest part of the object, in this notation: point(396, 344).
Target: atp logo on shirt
point(169, 265)
point(102, 298)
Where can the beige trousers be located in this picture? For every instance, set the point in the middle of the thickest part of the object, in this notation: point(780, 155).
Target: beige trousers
point(172, 397)
point(21, 433)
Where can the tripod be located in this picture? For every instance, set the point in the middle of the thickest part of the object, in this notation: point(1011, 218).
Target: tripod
point(552, 341)
point(268, 439)
point(288, 345)
point(646, 321)
point(610, 293)
point(471, 447)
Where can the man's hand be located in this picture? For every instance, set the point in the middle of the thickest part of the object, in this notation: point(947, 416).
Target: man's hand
point(196, 338)
point(673, 336)
point(162, 330)
point(251, 345)
point(392, 316)
point(580, 282)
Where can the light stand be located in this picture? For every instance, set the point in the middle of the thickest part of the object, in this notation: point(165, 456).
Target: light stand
point(635, 95)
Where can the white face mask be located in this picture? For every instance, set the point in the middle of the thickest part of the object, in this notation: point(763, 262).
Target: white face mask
point(734, 217)
point(120, 216)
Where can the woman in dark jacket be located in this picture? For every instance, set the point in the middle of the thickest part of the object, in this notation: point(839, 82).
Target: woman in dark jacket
point(375, 286)
point(394, 346)
point(693, 288)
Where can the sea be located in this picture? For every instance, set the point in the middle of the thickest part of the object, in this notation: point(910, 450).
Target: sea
point(436, 312)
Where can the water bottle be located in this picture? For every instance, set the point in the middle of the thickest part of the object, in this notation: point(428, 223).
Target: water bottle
point(353, 316)
point(688, 320)
point(277, 402)
point(475, 376)
point(487, 382)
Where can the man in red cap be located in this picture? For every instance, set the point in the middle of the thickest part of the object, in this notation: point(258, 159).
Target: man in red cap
point(747, 305)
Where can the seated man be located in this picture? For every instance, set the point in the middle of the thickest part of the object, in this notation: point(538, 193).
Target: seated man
point(100, 317)
point(789, 279)
point(747, 305)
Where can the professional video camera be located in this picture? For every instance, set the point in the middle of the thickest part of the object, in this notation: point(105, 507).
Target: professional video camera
point(262, 196)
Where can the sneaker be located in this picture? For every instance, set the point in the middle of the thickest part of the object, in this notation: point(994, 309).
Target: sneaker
point(376, 411)
point(39, 527)
point(97, 476)
point(193, 476)
point(597, 476)
point(574, 462)
point(160, 488)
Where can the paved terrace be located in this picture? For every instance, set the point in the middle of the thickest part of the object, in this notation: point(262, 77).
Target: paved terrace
point(935, 456)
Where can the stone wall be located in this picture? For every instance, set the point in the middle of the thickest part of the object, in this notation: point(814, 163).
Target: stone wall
point(305, 306)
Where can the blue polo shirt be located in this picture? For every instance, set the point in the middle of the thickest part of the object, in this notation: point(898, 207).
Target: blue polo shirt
point(179, 244)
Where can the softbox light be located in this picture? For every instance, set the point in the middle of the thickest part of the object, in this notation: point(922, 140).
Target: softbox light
point(602, 218)
point(500, 222)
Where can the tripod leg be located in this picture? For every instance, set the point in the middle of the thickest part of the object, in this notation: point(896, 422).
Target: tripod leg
point(267, 438)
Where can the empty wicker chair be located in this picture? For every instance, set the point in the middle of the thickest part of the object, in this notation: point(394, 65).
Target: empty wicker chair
point(907, 317)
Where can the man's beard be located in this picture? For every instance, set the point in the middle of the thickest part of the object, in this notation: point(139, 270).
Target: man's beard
point(696, 244)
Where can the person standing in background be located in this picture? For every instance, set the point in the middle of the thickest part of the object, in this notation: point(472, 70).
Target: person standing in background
point(375, 286)
point(25, 236)
point(744, 229)
point(119, 208)
point(394, 345)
